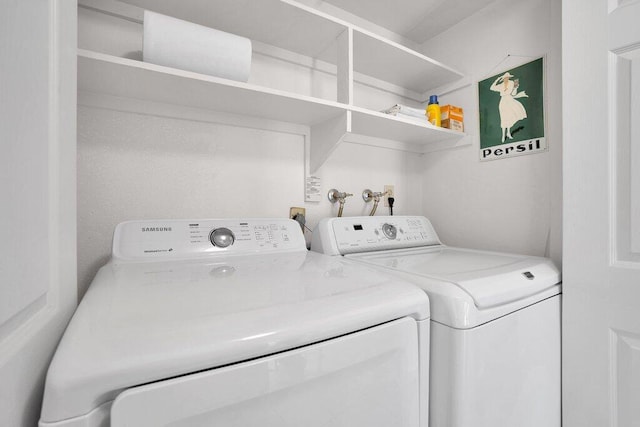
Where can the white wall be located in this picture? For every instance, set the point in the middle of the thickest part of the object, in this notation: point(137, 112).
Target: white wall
point(141, 166)
point(510, 204)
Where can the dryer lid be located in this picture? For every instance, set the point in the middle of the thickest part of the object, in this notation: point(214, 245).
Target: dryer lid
point(490, 278)
point(142, 322)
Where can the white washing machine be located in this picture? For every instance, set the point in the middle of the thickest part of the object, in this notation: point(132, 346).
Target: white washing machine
point(234, 323)
point(495, 319)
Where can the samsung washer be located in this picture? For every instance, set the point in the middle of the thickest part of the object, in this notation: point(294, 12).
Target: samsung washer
point(495, 334)
point(234, 323)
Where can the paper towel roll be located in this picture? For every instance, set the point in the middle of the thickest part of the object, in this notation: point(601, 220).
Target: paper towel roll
point(406, 111)
point(180, 44)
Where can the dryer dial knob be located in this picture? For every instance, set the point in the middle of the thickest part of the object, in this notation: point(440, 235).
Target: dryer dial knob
point(222, 237)
point(390, 231)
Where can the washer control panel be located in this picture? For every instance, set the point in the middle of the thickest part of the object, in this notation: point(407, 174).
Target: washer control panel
point(347, 235)
point(185, 239)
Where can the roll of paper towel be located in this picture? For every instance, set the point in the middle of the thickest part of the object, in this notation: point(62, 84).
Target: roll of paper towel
point(180, 44)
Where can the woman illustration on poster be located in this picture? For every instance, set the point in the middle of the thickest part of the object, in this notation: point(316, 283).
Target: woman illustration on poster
point(510, 109)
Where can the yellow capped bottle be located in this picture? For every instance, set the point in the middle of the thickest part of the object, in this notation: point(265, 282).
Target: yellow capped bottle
point(433, 111)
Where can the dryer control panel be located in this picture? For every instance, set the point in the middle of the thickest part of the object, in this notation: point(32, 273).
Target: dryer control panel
point(347, 235)
point(194, 239)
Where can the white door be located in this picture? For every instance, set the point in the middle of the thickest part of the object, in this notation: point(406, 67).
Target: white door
point(601, 291)
point(37, 196)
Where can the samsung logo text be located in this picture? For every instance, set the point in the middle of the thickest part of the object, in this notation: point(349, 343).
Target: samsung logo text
point(146, 229)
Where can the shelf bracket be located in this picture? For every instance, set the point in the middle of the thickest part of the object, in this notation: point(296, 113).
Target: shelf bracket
point(326, 137)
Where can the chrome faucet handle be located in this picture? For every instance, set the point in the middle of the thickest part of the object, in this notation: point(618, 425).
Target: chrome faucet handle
point(336, 196)
point(368, 195)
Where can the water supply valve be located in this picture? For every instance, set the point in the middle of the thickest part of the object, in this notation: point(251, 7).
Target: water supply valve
point(337, 196)
point(368, 195)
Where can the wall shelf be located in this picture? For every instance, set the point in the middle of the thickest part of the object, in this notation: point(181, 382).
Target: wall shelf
point(407, 130)
point(128, 78)
point(273, 22)
point(281, 23)
point(378, 129)
point(330, 122)
point(397, 64)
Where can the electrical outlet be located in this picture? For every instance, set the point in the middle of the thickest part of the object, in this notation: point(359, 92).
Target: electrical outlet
point(298, 214)
point(389, 192)
point(293, 211)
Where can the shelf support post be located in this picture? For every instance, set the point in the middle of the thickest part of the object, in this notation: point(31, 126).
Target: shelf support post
point(345, 67)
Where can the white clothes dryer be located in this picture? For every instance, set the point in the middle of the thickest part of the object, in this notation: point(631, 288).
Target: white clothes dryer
point(495, 319)
point(234, 323)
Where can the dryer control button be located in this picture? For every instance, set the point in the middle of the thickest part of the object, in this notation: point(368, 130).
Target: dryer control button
point(222, 237)
point(390, 231)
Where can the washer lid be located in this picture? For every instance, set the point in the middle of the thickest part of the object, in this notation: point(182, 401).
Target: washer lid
point(490, 278)
point(144, 322)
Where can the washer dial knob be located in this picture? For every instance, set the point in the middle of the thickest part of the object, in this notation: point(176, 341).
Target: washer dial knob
point(390, 231)
point(222, 237)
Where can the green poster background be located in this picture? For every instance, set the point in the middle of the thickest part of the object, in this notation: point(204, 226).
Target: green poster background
point(532, 82)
